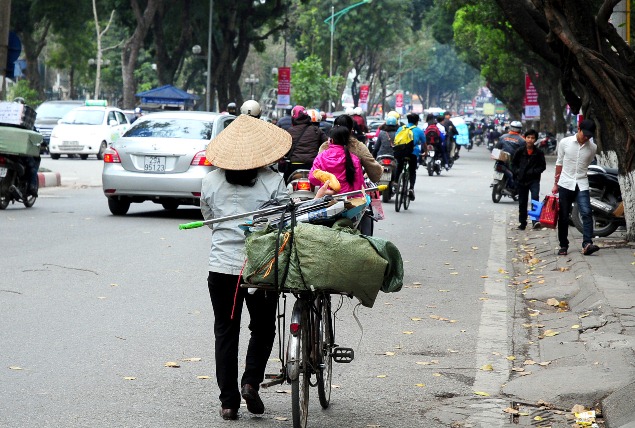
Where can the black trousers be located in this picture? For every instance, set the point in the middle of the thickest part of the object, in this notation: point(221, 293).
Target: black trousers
point(262, 325)
point(524, 189)
point(412, 163)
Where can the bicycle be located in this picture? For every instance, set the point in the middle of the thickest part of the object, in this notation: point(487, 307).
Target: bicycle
point(401, 196)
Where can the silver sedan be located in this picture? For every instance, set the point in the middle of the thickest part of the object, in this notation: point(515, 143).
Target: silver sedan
point(161, 158)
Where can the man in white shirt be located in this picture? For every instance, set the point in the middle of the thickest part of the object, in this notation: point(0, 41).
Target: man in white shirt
point(575, 154)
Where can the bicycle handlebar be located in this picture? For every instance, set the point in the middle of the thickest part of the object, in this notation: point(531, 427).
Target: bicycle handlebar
point(271, 210)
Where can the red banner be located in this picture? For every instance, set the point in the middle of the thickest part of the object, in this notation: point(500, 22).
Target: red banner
point(284, 87)
point(532, 108)
point(363, 96)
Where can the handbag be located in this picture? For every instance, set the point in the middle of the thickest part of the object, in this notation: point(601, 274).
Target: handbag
point(549, 213)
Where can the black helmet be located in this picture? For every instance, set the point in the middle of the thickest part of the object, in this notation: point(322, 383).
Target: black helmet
point(231, 108)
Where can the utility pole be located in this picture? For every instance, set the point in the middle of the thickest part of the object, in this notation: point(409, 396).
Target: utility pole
point(5, 21)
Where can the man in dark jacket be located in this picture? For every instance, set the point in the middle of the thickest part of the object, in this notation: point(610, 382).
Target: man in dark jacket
point(528, 164)
point(306, 140)
point(285, 121)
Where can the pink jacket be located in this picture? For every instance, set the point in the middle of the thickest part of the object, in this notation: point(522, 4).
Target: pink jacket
point(333, 160)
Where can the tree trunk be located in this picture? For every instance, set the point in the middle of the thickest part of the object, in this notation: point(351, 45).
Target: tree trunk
point(32, 50)
point(598, 73)
point(130, 52)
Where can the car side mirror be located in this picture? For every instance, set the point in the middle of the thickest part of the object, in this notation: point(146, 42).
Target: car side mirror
point(113, 122)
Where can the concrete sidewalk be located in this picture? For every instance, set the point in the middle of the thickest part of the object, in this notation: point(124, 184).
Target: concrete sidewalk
point(575, 324)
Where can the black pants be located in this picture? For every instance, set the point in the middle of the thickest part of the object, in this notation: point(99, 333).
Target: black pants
point(412, 163)
point(262, 324)
point(524, 189)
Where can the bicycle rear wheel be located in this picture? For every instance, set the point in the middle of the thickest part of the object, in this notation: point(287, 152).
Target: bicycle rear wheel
point(324, 332)
point(399, 193)
point(406, 194)
point(300, 386)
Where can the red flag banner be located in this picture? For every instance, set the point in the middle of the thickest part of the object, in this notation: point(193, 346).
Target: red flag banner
point(532, 108)
point(363, 96)
point(284, 87)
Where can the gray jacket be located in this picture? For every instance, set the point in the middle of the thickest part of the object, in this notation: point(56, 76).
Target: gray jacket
point(220, 199)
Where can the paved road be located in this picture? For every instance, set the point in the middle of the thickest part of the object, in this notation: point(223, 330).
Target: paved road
point(89, 299)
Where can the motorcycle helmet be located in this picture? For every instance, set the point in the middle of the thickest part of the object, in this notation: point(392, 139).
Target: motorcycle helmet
point(314, 115)
point(251, 108)
point(516, 126)
point(231, 108)
point(358, 111)
point(391, 120)
point(394, 114)
point(349, 111)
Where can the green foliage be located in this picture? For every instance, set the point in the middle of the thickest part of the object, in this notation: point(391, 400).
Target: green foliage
point(310, 85)
point(22, 89)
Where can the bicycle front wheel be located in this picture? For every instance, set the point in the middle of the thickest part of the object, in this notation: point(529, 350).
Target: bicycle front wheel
point(300, 386)
point(324, 332)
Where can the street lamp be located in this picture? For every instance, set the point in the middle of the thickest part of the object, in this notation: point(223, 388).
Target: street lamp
point(251, 81)
point(332, 20)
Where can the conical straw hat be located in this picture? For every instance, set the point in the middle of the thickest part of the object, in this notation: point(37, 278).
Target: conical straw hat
point(248, 143)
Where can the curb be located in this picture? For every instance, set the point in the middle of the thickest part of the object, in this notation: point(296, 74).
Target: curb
point(49, 179)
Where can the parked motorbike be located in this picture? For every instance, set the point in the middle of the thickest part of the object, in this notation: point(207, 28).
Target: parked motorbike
point(548, 144)
point(389, 163)
point(607, 206)
point(434, 160)
point(299, 186)
point(500, 184)
point(14, 182)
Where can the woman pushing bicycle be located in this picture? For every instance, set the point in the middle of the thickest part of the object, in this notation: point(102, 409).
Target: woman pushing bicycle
point(242, 183)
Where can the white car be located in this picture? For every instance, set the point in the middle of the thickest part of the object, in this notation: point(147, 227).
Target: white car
point(87, 131)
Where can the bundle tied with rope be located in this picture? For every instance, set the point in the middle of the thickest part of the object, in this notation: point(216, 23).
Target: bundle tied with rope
point(316, 257)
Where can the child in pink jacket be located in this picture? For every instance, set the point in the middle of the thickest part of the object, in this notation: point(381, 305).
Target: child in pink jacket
point(337, 160)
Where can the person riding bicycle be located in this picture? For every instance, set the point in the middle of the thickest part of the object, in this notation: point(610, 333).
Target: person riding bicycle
point(410, 152)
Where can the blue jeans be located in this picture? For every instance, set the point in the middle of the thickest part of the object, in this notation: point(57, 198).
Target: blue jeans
point(524, 190)
point(583, 199)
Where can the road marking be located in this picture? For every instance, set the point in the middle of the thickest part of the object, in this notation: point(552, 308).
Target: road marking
point(492, 332)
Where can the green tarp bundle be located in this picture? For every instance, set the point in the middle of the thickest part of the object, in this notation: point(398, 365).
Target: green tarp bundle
point(324, 258)
point(18, 141)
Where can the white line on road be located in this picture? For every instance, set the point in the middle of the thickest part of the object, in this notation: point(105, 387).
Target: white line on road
point(492, 333)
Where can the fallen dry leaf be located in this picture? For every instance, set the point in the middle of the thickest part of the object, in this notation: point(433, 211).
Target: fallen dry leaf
point(574, 326)
point(529, 362)
point(281, 418)
point(511, 358)
point(416, 319)
point(524, 374)
point(475, 248)
point(484, 276)
point(195, 359)
point(284, 391)
point(389, 353)
point(202, 377)
point(15, 368)
point(544, 363)
point(518, 369)
point(444, 291)
point(481, 393)
point(408, 332)
point(553, 302)
point(487, 368)
point(437, 374)
point(381, 376)
point(511, 411)
point(172, 364)
point(416, 283)
point(564, 269)
point(551, 333)
point(420, 385)
point(578, 408)
point(129, 378)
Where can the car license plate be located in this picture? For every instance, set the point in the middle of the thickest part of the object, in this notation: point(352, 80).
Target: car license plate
point(3, 172)
point(154, 164)
point(498, 176)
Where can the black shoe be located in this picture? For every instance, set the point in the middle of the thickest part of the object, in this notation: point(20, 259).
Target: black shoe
point(522, 227)
point(411, 194)
point(229, 414)
point(254, 403)
point(590, 249)
point(537, 225)
point(562, 251)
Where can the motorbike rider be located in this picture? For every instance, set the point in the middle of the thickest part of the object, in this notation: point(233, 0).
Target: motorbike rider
point(306, 141)
point(509, 143)
point(383, 143)
point(528, 164)
point(31, 164)
point(450, 136)
point(432, 123)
